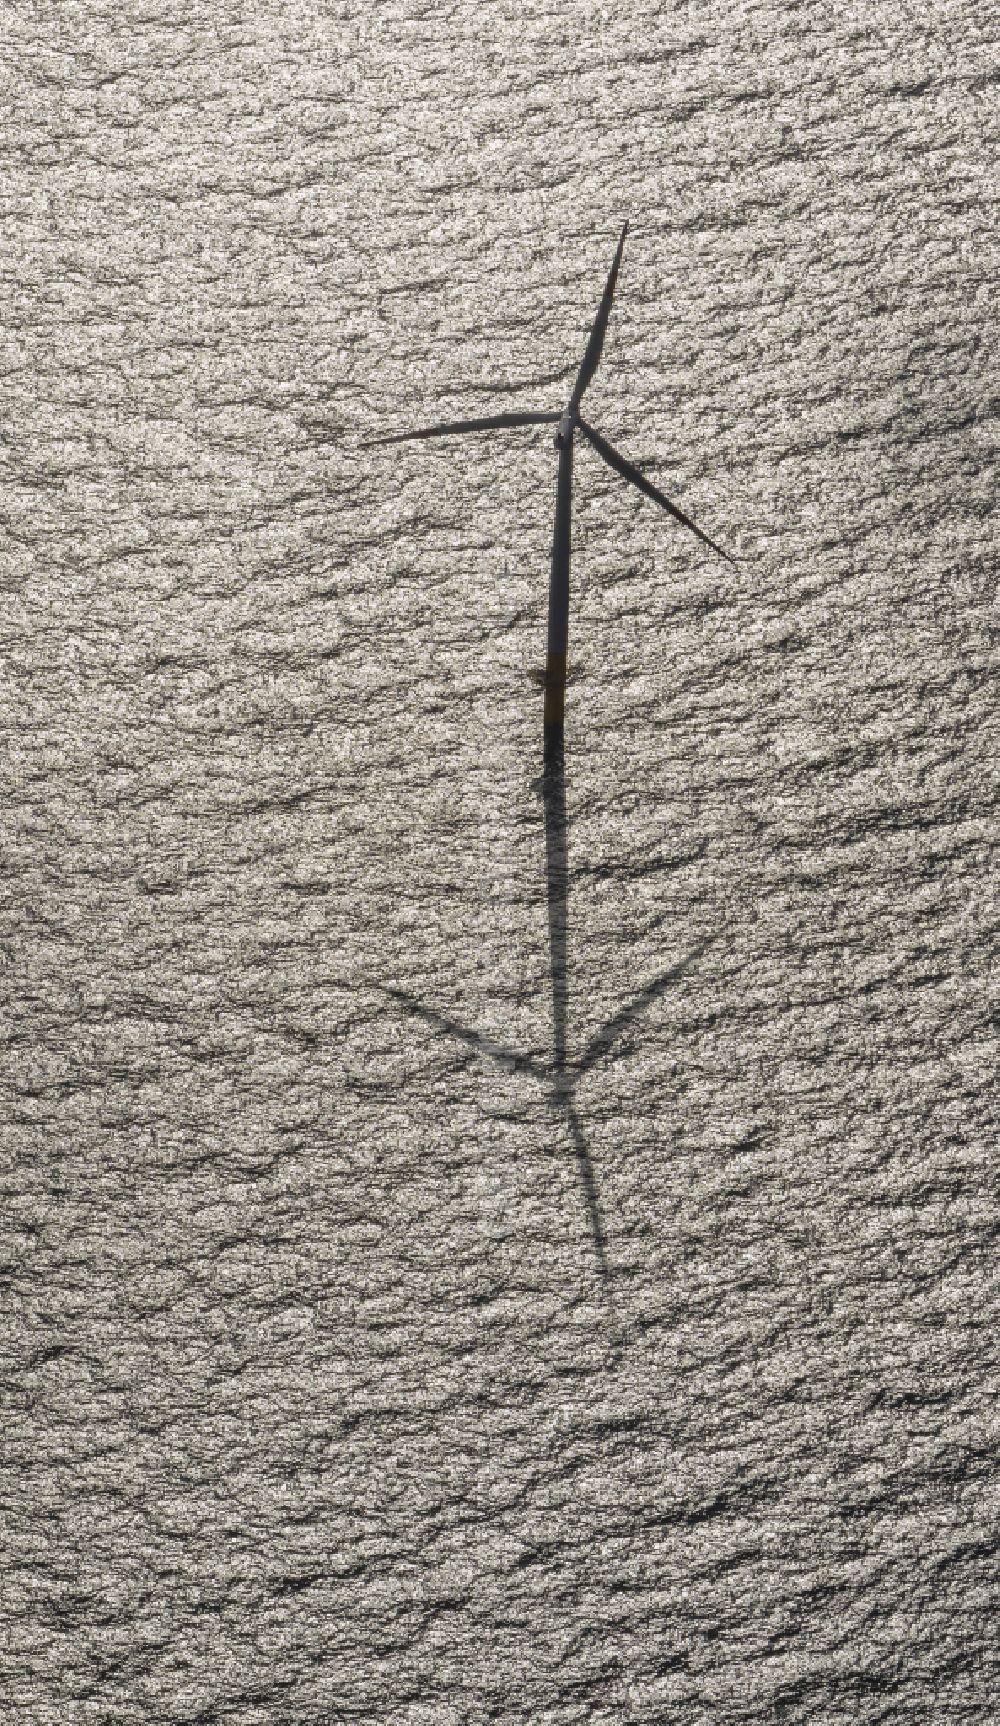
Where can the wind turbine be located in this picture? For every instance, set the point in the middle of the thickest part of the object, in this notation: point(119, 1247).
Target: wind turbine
point(567, 423)
point(562, 1075)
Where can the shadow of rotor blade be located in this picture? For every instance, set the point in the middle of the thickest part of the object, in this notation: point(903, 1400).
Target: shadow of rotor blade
point(491, 422)
point(474, 1039)
point(556, 886)
point(633, 475)
point(595, 346)
point(605, 1038)
point(589, 1181)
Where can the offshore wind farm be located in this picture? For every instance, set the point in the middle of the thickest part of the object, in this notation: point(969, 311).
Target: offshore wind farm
point(499, 1149)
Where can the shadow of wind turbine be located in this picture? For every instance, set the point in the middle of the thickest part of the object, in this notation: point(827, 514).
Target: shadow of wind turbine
point(604, 1040)
point(560, 1076)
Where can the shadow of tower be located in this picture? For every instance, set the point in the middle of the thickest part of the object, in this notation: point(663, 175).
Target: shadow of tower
point(563, 1080)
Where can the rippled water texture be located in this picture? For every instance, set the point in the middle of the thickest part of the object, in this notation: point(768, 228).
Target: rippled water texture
point(488, 1242)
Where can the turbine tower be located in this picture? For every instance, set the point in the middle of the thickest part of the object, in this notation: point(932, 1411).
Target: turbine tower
point(567, 423)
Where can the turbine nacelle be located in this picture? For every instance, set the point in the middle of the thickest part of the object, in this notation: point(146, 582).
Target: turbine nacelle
point(564, 430)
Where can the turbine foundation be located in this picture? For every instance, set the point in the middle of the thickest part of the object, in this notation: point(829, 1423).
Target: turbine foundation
point(555, 690)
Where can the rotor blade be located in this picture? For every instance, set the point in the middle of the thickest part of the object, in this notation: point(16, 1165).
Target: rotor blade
point(633, 474)
point(491, 422)
point(592, 357)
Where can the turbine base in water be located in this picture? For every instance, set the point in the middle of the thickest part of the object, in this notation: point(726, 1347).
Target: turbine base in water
point(555, 690)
